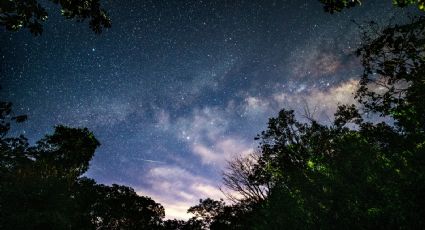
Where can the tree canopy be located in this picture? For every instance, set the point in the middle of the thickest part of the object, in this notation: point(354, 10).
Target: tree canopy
point(30, 14)
point(333, 6)
point(41, 186)
point(336, 177)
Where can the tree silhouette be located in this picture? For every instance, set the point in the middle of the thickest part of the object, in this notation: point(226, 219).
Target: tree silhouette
point(17, 14)
point(393, 81)
point(206, 211)
point(37, 182)
point(119, 207)
point(333, 6)
point(240, 177)
point(41, 186)
point(334, 177)
point(217, 215)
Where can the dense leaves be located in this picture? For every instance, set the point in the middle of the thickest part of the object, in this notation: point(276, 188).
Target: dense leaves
point(119, 207)
point(241, 177)
point(333, 6)
point(30, 14)
point(352, 174)
point(393, 82)
point(41, 186)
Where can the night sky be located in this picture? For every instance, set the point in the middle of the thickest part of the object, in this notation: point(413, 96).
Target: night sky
point(176, 88)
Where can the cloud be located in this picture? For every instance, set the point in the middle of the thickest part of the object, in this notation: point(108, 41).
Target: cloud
point(205, 123)
point(207, 134)
point(177, 189)
point(323, 102)
point(255, 106)
point(221, 150)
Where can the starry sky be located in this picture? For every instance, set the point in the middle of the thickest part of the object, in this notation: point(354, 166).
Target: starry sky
point(176, 88)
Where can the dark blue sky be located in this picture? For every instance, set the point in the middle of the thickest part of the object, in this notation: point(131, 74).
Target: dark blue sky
point(176, 88)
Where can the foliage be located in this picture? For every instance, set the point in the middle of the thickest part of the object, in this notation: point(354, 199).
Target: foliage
point(333, 6)
point(335, 177)
point(393, 81)
point(119, 207)
point(217, 215)
point(240, 177)
point(17, 14)
point(41, 186)
point(206, 210)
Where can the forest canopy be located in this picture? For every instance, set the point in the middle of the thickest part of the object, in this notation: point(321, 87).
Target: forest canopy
point(30, 14)
point(333, 6)
point(334, 176)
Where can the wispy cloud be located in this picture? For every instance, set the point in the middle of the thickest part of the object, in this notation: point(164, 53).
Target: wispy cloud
point(221, 151)
point(207, 134)
point(177, 189)
point(321, 102)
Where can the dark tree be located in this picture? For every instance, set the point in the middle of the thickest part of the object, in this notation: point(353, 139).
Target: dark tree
point(191, 224)
point(333, 6)
point(240, 178)
point(336, 177)
point(206, 211)
point(393, 81)
point(41, 186)
point(216, 215)
point(174, 224)
point(119, 207)
point(30, 14)
point(37, 183)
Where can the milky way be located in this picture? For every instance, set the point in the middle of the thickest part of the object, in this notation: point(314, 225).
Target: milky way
point(173, 90)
